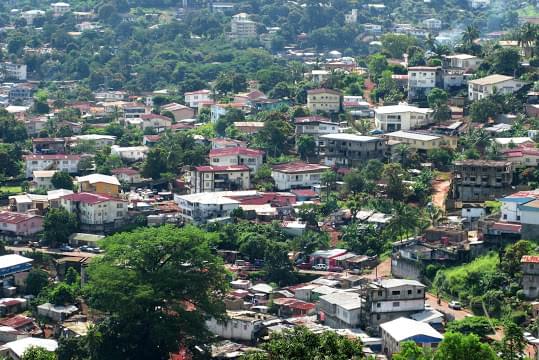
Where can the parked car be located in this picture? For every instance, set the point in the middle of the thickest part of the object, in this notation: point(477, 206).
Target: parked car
point(304, 266)
point(84, 248)
point(455, 305)
point(66, 247)
point(95, 250)
point(335, 269)
point(320, 267)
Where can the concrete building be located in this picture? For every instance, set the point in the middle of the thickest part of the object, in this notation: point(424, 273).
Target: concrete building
point(389, 299)
point(486, 86)
point(202, 207)
point(422, 79)
point(432, 24)
point(60, 8)
point(133, 110)
point(99, 184)
point(13, 71)
point(506, 143)
point(522, 157)
point(219, 178)
point(100, 141)
point(239, 325)
point(481, 180)
point(194, 98)
point(19, 224)
point(325, 100)
point(242, 28)
point(297, 175)
point(401, 117)
point(237, 156)
point(42, 179)
point(15, 350)
point(464, 62)
point(351, 150)
point(128, 175)
point(130, 153)
point(315, 126)
point(341, 309)
point(179, 111)
point(30, 15)
point(417, 141)
point(397, 331)
point(522, 209)
point(529, 265)
point(60, 162)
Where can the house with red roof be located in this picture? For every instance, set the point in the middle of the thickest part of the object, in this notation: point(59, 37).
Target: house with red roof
point(156, 122)
point(297, 174)
point(522, 156)
point(529, 265)
point(237, 156)
point(19, 224)
point(220, 178)
point(193, 98)
point(97, 213)
point(128, 175)
point(179, 111)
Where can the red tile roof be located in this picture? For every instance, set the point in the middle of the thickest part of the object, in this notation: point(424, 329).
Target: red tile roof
point(90, 198)
point(209, 168)
point(154, 116)
point(198, 92)
point(16, 321)
point(235, 151)
point(51, 157)
point(313, 119)
point(11, 217)
point(47, 140)
point(152, 138)
point(126, 171)
point(323, 91)
point(304, 192)
point(298, 167)
point(530, 259)
point(500, 226)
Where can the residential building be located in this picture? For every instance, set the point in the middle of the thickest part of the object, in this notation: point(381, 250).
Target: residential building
point(156, 122)
point(397, 331)
point(422, 79)
point(193, 98)
point(31, 203)
point(130, 153)
point(96, 212)
point(237, 156)
point(479, 4)
point(529, 265)
point(522, 209)
point(99, 184)
point(507, 143)
point(100, 141)
point(30, 15)
point(481, 88)
point(21, 93)
point(133, 110)
point(341, 310)
point(19, 224)
point(432, 24)
point(351, 17)
point(202, 207)
point(481, 180)
point(249, 127)
point(13, 71)
point(128, 175)
point(464, 62)
point(325, 100)
point(239, 325)
point(416, 140)
point(60, 8)
point(15, 350)
point(351, 150)
point(315, 126)
point(219, 178)
point(242, 28)
point(42, 179)
point(297, 175)
point(61, 162)
point(49, 145)
point(180, 112)
point(510, 205)
point(401, 117)
point(221, 143)
point(522, 156)
point(389, 299)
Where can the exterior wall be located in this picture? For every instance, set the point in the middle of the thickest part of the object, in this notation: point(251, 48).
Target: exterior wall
point(42, 183)
point(405, 120)
point(285, 181)
point(219, 181)
point(200, 213)
point(530, 231)
point(405, 268)
point(323, 102)
point(182, 114)
point(97, 214)
point(159, 125)
point(478, 92)
point(100, 188)
point(131, 179)
point(529, 216)
point(252, 162)
point(474, 182)
point(510, 211)
point(129, 154)
point(26, 227)
point(352, 153)
point(419, 144)
point(233, 329)
point(70, 166)
point(193, 99)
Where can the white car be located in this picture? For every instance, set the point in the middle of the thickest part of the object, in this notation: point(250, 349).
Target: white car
point(455, 305)
point(321, 267)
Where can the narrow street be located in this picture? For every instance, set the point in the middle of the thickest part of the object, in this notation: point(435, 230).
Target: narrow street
point(432, 300)
point(21, 249)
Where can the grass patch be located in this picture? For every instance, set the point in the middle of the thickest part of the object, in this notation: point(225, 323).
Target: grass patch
point(529, 10)
point(11, 189)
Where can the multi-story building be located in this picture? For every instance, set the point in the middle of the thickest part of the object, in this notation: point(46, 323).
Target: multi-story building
point(397, 331)
point(96, 212)
point(522, 156)
point(416, 140)
point(481, 180)
point(389, 299)
point(219, 178)
point(156, 122)
point(60, 8)
point(529, 265)
point(422, 79)
point(520, 211)
point(179, 111)
point(130, 153)
point(49, 145)
point(237, 156)
point(486, 86)
point(19, 224)
point(351, 150)
point(315, 126)
point(325, 100)
point(99, 184)
point(61, 162)
point(42, 179)
point(201, 207)
point(341, 309)
point(297, 175)
point(401, 117)
point(128, 175)
point(432, 24)
point(239, 325)
point(30, 15)
point(464, 62)
point(193, 98)
point(13, 71)
point(242, 28)
point(100, 141)
point(133, 110)
point(21, 93)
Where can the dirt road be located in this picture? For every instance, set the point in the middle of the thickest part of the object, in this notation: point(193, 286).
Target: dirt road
point(440, 190)
point(432, 300)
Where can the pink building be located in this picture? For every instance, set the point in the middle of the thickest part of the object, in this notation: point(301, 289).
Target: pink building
point(20, 224)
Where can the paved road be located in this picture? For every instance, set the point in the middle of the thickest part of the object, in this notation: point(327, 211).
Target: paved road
point(20, 249)
point(383, 270)
point(432, 300)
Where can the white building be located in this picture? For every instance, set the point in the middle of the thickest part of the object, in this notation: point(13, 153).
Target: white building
point(510, 210)
point(242, 28)
point(201, 207)
point(219, 178)
point(351, 17)
point(297, 175)
point(42, 179)
point(13, 71)
point(100, 141)
point(514, 142)
point(95, 210)
point(130, 153)
point(237, 156)
point(61, 162)
point(395, 332)
point(401, 117)
point(341, 309)
point(463, 62)
point(30, 15)
point(486, 86)
point(128, 175)
point(193, 98)
point(315, 126)
point(239, 325)
point(422, 79)
point(60, 8)
point(432, 24)
point(478, 4)
point(158, 123)
point(15, 349)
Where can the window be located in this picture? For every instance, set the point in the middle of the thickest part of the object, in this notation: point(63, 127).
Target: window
point(380, 293)
point(119, 214)
point(396, 304)
point(419, 291)
point(395, 292)
point(378, 305)
point(409, 292)
point(119, 206)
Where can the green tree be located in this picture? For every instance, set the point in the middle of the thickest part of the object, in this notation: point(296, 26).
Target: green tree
point(513, 343)
point(58, 225)
point(393, 174)
point(505, 61)
point(373, 170)
point(306, 147)
point(62, 180)
point(355, 182)
point(377, 64)
point(38, 353)
point(155, 164)
point(35, 282)
point(409, 350)
point(277, 264)
point(440, 157)
point(478, 325)
point(397, 44)
point(158, 285)
point(457, 346)
point(328, 180)
point(62, 294)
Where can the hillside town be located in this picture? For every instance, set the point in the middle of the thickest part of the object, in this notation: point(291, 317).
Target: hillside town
point(269, 180)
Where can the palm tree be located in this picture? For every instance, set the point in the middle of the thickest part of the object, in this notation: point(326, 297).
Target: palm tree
point(403, 153)
point(356, 202)
point(404, 219)
point(470, 34)
point(328, 179)
point(526, 37)
point(430, 42)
